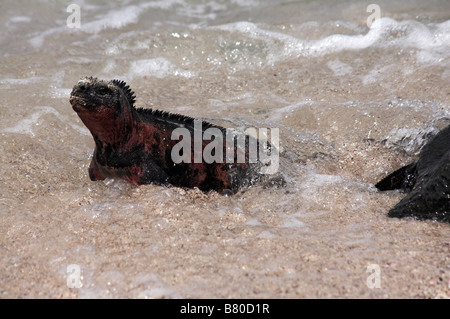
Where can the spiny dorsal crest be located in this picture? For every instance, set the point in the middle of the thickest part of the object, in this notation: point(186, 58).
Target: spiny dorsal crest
point(181, 119)
point(131, 97)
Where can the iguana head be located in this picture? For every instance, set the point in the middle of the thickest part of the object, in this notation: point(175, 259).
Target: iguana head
point(93, 95)
point(105, 107)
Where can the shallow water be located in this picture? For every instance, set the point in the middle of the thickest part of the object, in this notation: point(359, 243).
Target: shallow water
point(352, 103)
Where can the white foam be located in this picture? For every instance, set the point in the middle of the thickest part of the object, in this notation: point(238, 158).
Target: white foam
point(25, 81)
point(376, 74)
point(163, 4)
point(339, 68)
point(115, 19)
point(154, 287)
point(432, 42)
point(320, 180)
point(158, 67)
point(246, 3)
point(340, 42)
point(14, 21)
point(253, 222)
point(265, 234)
point(110, 66)
point(279, 113)
point(209, 10)
point(119, 18)
point(315, 182)
point(203, 11)
point(20, 19)
point(38, 40)
point(410, 139)
point(26, 125)
point(291, 221)
point(60, 93)
point(292, 46)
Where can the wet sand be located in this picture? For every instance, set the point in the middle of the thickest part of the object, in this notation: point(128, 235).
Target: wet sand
point(346, 119)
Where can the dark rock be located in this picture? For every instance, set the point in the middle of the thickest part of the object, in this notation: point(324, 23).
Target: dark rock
point(427, 182)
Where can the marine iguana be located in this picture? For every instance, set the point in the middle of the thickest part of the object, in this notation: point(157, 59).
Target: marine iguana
point(136, 144)
point(426, 180)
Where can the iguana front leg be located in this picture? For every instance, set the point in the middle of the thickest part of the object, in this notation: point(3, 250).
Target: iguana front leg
point(94, 172)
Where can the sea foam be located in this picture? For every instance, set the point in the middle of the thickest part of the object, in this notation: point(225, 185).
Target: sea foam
point(432, 42)
point(158, 67)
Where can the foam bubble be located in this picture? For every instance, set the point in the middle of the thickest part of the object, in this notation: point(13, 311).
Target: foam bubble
point(339, 68)
point(158, 67)
point(20, 19)
point(60, 93)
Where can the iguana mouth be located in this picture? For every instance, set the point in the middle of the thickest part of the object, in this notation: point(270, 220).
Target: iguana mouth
point(78, 103)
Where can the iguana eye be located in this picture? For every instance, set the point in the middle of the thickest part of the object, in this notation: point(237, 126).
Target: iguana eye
point(103, 90)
